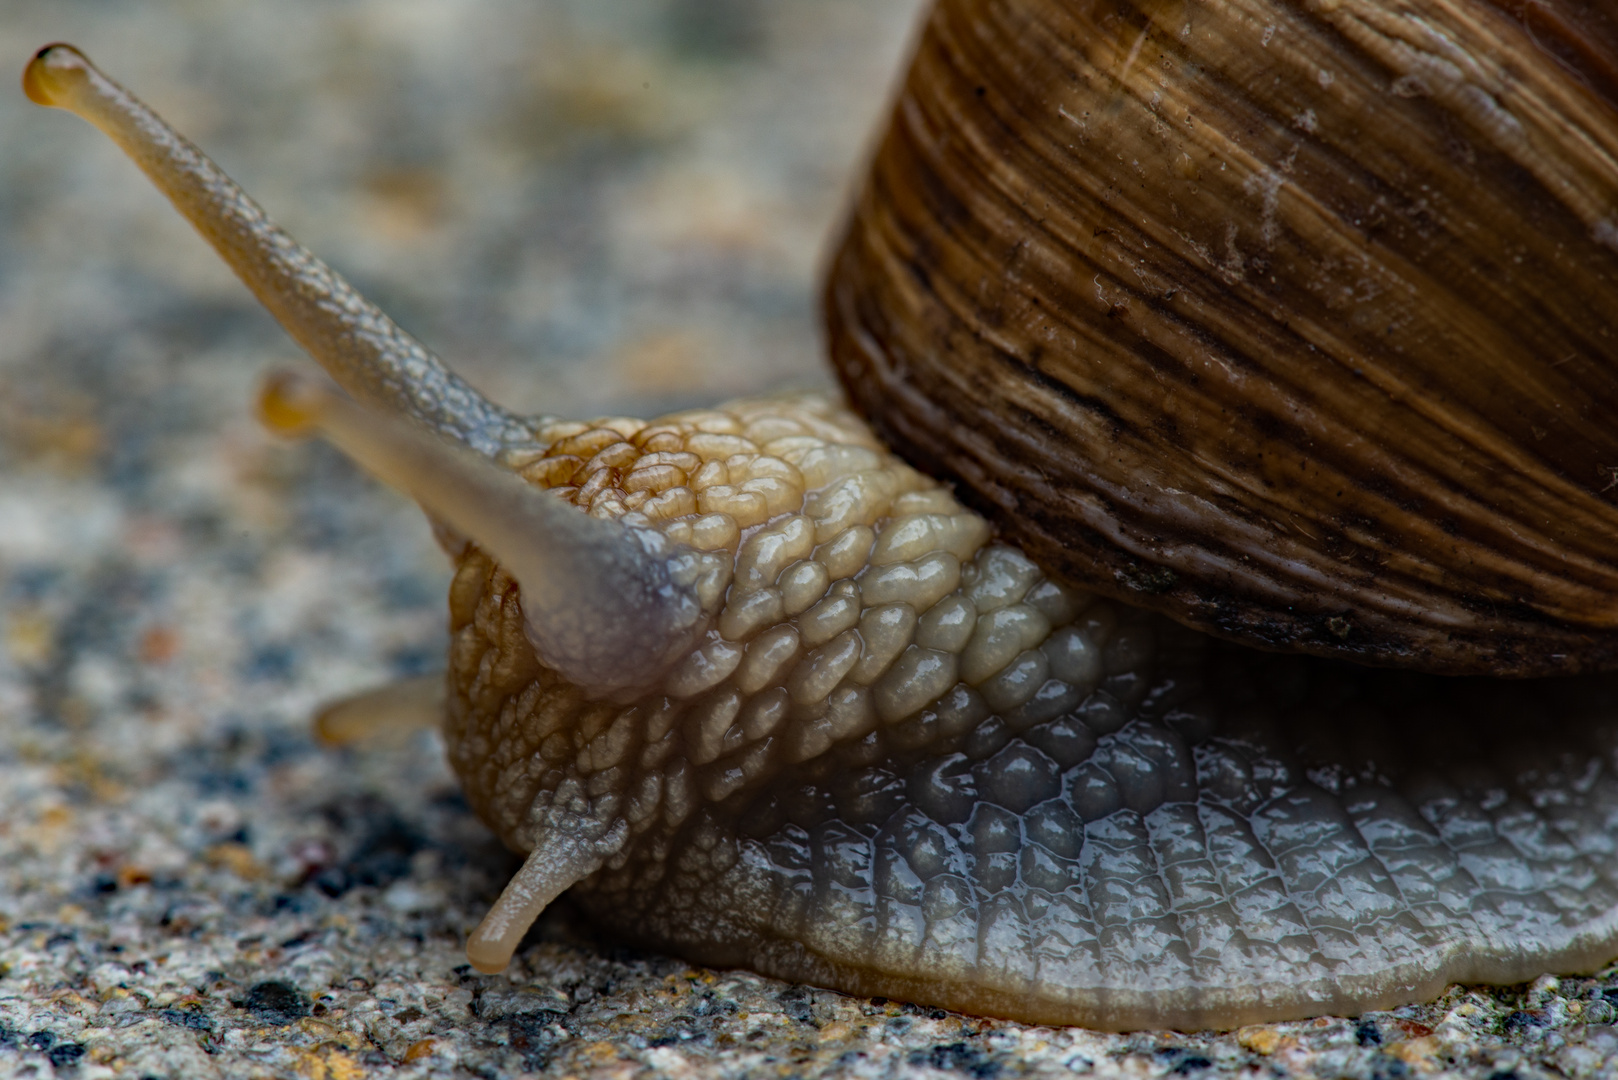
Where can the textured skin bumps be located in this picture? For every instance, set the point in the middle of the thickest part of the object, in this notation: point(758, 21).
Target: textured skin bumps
point(904, 762)
point(1254, 839)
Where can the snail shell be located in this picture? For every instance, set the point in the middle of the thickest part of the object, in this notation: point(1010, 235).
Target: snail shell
point(1296, 321)
point(769, 696)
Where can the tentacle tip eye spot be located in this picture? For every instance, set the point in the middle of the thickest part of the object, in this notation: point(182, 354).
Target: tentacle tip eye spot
point(48, 75)
point(292, 405)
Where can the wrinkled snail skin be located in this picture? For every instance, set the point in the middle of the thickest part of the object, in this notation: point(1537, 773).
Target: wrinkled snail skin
point(852, 739)
point(1295, 321)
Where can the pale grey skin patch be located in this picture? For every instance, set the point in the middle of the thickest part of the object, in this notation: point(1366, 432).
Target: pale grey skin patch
point(1201, 837)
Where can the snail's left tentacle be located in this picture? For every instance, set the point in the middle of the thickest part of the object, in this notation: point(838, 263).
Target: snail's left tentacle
point(361, 347)
point(384, 713)
point(607, 605)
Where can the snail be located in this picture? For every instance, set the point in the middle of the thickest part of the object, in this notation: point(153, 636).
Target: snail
point(763, 694)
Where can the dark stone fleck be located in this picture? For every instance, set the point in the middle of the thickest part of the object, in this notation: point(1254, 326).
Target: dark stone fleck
point(42, 1040)
point(795, 1003)
point(380, 859)
point(535, 1036)
point(1389, 1068)
point(421, 660)
point(270, 663)
point(66, 1055)
point(958, 1057)
point(332, 881)
point(1367, 1034)
point(297, 903)
point(276, 1003)
point(1522, 1023)
point(186, 1018)
point(533, 1021)
point(710, 1004)
point(1191, 1063)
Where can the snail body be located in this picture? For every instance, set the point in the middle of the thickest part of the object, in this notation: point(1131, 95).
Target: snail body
point(771, 697)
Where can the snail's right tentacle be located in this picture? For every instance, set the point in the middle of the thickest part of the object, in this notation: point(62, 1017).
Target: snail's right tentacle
point(567, 848)
point(607, 605)
point(362, 348)
point(544, 876)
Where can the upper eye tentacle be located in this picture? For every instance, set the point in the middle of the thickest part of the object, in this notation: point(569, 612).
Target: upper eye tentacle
point(608, 605)
point(364, 350)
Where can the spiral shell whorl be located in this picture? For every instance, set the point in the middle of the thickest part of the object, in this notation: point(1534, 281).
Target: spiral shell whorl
point(1297, 322)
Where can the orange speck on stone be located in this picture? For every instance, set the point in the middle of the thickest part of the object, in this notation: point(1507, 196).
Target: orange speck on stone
point(1418, 1053)
point(419, 1050)
point(236, 858)
point(130, 876)
point(1259, 1038)
point(159, 644)
point(30, 638)
point(56, 817)
point(327, 1063)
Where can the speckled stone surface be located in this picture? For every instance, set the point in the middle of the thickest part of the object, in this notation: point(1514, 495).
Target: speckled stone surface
point(589, 206)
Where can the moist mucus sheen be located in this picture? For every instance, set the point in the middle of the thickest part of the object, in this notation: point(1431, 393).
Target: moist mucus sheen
point(904, 762)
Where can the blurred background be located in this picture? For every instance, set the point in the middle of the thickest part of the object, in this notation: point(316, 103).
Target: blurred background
point(582, 203)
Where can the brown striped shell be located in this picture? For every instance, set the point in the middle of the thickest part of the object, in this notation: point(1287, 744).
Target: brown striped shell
point(1296, 321)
